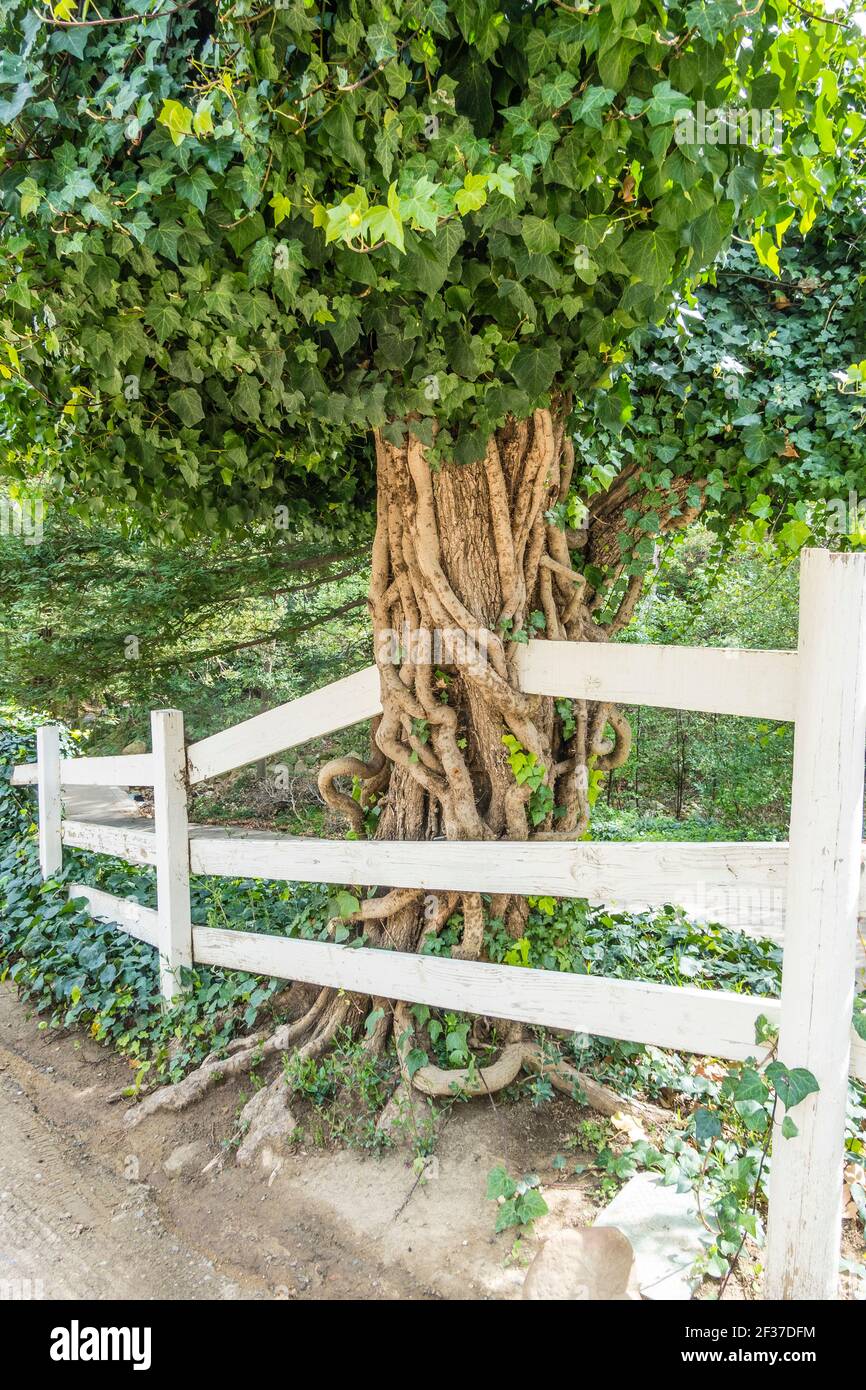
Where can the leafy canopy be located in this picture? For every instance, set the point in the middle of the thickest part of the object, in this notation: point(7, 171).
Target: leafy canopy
point(751, 384)
point(235, 239)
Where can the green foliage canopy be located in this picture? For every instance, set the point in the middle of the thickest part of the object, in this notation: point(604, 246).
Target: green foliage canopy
point(750, 382)
point(236, 239)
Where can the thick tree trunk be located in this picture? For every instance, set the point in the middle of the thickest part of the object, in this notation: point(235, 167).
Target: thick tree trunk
point(466, 566)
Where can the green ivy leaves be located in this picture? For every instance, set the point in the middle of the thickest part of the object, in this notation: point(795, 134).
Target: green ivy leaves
point(505, 194)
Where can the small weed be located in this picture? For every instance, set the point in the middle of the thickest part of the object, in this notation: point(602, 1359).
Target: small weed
point(520, 1201)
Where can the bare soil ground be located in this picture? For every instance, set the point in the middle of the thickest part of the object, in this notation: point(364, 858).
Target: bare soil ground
point(88, 1211)
point(86, 1207)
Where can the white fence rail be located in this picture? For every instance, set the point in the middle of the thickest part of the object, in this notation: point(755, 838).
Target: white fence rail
point(813, 885)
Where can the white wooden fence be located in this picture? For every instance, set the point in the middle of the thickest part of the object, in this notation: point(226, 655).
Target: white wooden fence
point(808, 890)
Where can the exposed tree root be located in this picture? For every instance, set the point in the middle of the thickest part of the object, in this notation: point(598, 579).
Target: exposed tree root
point(566, 1078)
point(269, 1122)
point(243, 1055)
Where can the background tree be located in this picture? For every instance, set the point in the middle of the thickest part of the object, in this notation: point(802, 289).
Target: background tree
point(199, 623)
point(241, 245)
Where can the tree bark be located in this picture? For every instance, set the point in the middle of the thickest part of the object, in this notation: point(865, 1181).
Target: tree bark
point(468, 564)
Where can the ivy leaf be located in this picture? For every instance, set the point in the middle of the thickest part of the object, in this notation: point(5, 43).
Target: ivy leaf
point(372, 1020)
point(415, 1060)
point(195, 187)
point(707, 1125)
point(590, 106)
point(539, 235)
point(650, 257)
point(473, 194)
point(710, 232)
point(177, 120)
point(500, 1184)
point(768, 252)
point(386, 223)
point(557, 91)
point(535, 367)
point(163, 319)
point(502, 181)
point(202, 121)
point(794, 534)
point(343, 904)
point(31, 196)
point(792, 1084)
point(260, 261)
point(532, 1206)
point(420, 206)
point(187, 405)
point(282, 207)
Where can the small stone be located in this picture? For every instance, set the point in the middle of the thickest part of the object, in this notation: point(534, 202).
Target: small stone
point(592, 1265)
point(138, 745)
point(665, 1232)
point(186, 1159)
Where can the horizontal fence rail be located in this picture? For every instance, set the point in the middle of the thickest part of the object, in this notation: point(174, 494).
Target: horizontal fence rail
point(136, 920)
point(132, 770)
point(135, 846)
point(717, 1023)
point(338, 706)
point(641, 874)
point(738, 884)
point(715, 680)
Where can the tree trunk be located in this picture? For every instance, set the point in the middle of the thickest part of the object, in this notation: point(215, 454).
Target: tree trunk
point(467, 566)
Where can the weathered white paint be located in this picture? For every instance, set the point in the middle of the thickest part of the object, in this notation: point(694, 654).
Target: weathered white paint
point(727, 895)
point(48, 784)
point(336, 706)
point(135, 846)
point(711, 1022)
point(716, 680)
point(131, 917)
point(24, 775)
point(695, 1020)
point(171, 841)
point(823, 886)
point(631, 876)
point(133, 770)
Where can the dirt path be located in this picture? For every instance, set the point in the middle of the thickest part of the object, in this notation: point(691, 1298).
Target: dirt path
point(89, 1209)
point(70, 1227)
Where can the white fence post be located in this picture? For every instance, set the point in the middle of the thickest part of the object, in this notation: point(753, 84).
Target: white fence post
point(805, 1218)
point(48, 787)
point(171, 835)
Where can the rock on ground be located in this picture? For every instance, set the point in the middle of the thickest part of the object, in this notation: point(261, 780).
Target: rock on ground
point(593, 1265)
